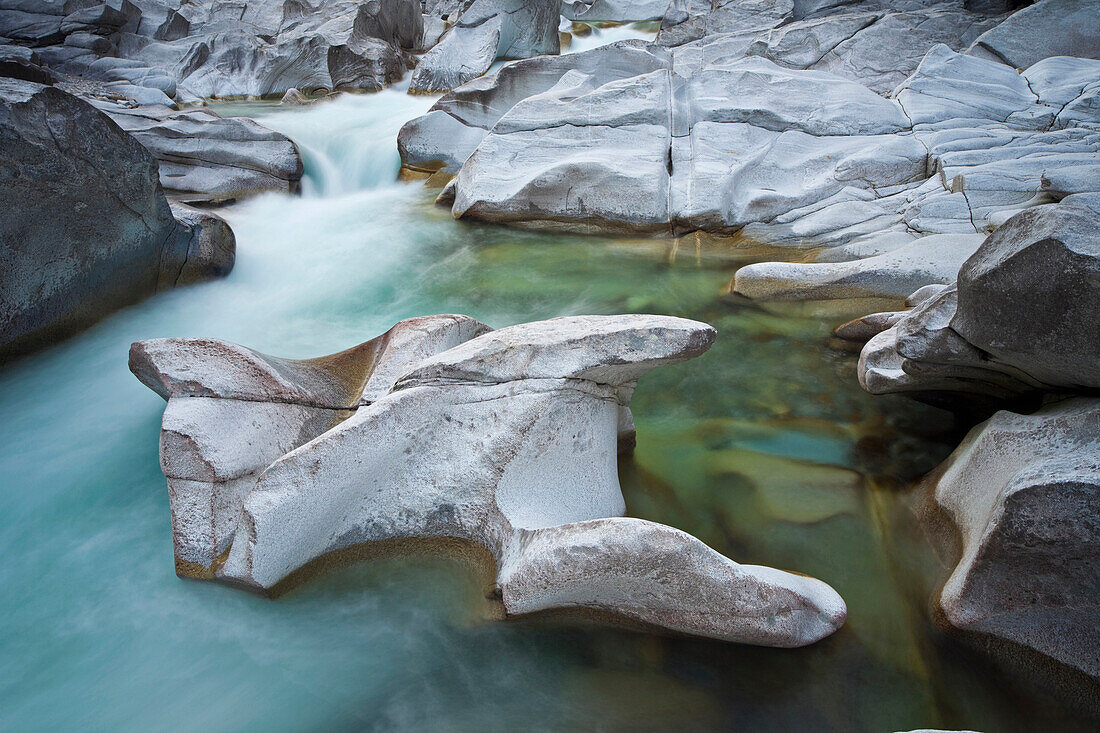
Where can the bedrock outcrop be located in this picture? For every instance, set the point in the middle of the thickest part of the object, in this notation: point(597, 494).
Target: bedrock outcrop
point(204, 157)
point(157, 51)
point(1023, 493)
point(443, 428)
point(86, 227)
point(634, 137)
point(485, 31)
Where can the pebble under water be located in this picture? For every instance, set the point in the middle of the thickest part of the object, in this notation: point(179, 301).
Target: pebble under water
point(765, 448)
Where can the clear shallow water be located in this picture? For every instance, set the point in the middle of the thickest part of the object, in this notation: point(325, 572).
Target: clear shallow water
point(765, 448)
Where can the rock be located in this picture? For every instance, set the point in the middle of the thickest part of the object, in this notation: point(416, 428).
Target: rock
point(789, 157)
point(398, 22)
point(1019, 321)
point(662, 153)
point(926, 261)
point(1047, 28)
point(212, 248)
point(293, 96)
point(614, 11)
point(17, 62)
point(88, 229)
point(1023, 493)
point(666, 578)
point(1027, 297)
point(488, 30)
point(206, 157)
point(209, 48)
point(864, 328)
point(446, 136)
point(505, 439)
point(232, 411)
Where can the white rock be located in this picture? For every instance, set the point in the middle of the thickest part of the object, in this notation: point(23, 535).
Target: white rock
point(508, 440)
point(931, 260)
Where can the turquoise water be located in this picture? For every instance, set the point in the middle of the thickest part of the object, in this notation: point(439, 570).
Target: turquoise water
point(765, 448)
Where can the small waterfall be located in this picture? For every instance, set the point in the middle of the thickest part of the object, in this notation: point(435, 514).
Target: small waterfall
point(346, 142)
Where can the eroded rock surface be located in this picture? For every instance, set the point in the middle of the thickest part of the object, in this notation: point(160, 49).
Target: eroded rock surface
point(445, 429)
point(485, 31)
point(1024, 493)
point(203, 156)
point(86, 228)
point(635, 138)
point(1021, 318)
point(156, 51)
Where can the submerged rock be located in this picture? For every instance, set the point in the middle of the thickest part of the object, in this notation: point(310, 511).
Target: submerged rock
point(1023, 492)
point(445, 429)
point(86, 227)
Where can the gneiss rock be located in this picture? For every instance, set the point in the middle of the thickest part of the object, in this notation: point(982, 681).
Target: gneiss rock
point(232, 411)
point(1024, 493)
point(1047, 28)
point(928, 260)
point(157, 51)
point(1028, 297)
point(206, 157)
point(1021, 319)
point(443, 429)
point(86, 227)
point(488, 30)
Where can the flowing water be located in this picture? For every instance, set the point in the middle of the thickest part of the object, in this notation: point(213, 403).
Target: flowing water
point(765, 448)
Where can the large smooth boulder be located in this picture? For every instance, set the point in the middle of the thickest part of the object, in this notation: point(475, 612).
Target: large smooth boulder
point(1028, 296)
point(1023, 492)
point(445, 430)
point(86, 228)
point(1047, 28)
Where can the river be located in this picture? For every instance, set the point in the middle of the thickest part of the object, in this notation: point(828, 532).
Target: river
point(765, 448)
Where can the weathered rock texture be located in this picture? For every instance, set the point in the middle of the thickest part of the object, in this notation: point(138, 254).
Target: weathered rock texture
point(485, 31)
point(1023, 492)
point(445, 429)
point(86, 227)
point(1021, 318)
point(203, 156)
point(156, 51)
point(859, 127)
point(637, 138)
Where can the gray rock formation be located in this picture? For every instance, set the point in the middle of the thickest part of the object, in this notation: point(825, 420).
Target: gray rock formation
point(444, 429)
point(1047, 28)
point(488, 30)
point(894, 274)
point(156, 51)
point(614, 11)
point(86, 227)
point(206, 157)
point(1020, 320)
point(745, 146)
point(1023, 491)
